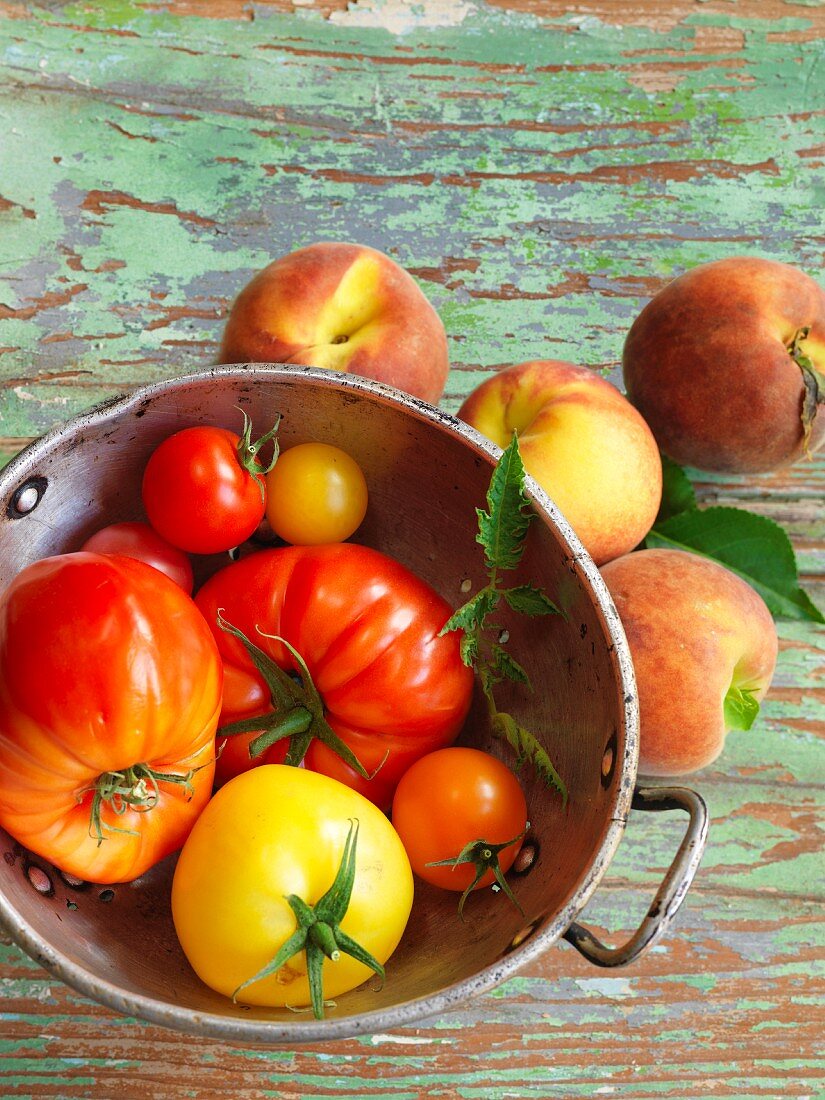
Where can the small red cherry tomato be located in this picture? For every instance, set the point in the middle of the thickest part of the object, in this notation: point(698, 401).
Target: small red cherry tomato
point(204, 489)
point(451, 798)
point(140, 541)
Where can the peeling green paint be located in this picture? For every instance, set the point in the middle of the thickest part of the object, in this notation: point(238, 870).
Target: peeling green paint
point(244, 177)
point(537, 205)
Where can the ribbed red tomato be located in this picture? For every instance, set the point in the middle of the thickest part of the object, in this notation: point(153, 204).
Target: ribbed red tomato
point(367, 630)
point(110, 688)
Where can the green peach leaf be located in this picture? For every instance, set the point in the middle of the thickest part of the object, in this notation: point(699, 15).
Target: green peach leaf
point(741, 708)
point(752, 546)
point(677, 492)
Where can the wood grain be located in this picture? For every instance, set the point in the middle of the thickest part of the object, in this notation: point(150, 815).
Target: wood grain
point(542, 168)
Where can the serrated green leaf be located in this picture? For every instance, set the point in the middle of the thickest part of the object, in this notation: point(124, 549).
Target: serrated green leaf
point(503, 528)
point(488, 682)
point(501, 532)
point(505, 725)
point(529, 600)
point(528, 750)
point(468, 648)
point(544, 766)
point(473, 613)
point(470, 619)
point(752, 546)
point(677, 492)
point(505, 666)
point(741, 708)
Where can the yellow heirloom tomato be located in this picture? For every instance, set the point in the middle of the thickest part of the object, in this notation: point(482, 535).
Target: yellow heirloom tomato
point(290, 888)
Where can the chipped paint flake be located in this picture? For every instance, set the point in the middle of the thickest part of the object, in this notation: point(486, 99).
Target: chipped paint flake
point(380, 1038)
point(400, 17)
point(614, 988)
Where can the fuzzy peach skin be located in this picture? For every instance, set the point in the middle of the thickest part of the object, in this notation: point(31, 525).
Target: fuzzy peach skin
point(695, 630)
point(342, 306)
point(583, 442)
point(708, 364)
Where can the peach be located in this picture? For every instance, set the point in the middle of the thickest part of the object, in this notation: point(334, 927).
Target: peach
point(716, 364)
point(704, 649)
point(345, 307)
point(583, 442)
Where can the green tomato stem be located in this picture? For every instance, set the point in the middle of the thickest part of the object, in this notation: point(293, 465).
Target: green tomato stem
point(484, 857)
point(324, 936)
point(135, 788)
point(318, 933)
point(298, 709)
point(298, 721)
point(249, 451)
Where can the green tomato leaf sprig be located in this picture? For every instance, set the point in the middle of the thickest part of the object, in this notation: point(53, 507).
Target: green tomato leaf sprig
point(502, 531)
point(754, 547)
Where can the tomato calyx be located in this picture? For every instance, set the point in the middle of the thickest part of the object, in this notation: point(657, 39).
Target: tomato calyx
point(249, 451)
point(484, 856)
point(319, 933)
point(135, 788)
point(298, 709)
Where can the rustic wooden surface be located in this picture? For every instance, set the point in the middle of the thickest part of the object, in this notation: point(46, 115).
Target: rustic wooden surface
point(542, 168)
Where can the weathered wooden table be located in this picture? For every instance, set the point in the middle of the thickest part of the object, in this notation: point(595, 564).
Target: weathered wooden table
point(541, 168)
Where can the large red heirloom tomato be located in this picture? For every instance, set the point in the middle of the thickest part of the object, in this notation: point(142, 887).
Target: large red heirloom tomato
point(367, 631)
point(110, 688)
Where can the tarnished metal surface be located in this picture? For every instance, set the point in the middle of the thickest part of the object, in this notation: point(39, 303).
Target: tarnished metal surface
point(671, 893)
point(584, 706)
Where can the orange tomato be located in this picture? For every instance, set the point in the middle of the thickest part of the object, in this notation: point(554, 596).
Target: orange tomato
point(450, 799)
point(110, 691)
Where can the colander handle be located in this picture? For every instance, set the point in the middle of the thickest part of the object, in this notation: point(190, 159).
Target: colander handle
point(670, 894)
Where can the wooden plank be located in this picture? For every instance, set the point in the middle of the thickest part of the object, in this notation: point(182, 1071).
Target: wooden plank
point(537, 222)
point(542, 167)
point(676, 1025)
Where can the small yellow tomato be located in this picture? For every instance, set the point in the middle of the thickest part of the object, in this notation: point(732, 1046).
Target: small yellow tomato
point(316, 493)
point(269, 836)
